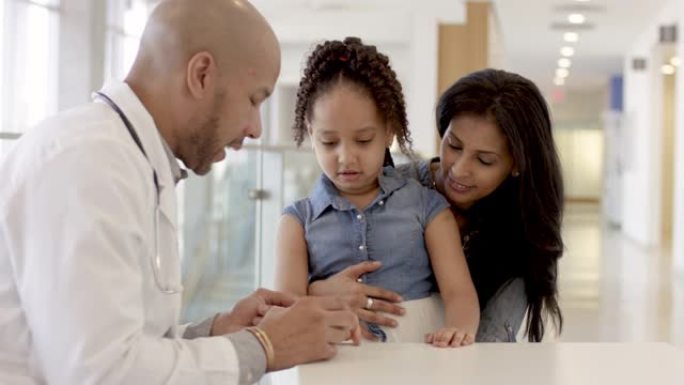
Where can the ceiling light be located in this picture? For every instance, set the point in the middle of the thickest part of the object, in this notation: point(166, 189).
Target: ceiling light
point(676, 61)
point(559, 81)
point(668, 69)
point(582, 1)
point(564, 62)
point(571, 37)
point(567, 51)
point(562, 72)
point(576, 18)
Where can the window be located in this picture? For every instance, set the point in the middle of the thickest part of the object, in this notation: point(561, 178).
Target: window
point(2, 70)
point(125, 23)
point(28, 74)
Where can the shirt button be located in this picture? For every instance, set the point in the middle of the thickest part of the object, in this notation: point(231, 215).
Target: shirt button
point(359, 216)
point(381, 203)
point(362, 247)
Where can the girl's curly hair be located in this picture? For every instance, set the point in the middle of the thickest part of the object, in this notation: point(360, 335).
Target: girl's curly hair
point(362, 65)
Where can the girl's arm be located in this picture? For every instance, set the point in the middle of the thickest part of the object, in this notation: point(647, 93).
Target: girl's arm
point(292, 276)
point(458, 292)
point(292, 257)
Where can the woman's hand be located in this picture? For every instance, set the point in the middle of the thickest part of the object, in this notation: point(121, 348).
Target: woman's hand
point(449, 337)
point(368, 301)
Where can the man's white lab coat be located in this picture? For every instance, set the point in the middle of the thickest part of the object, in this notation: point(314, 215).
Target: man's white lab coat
point(79, 303)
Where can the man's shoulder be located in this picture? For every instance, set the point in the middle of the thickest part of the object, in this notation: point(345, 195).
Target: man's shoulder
point(78, 128)
point(82, 135)
point(92, 121)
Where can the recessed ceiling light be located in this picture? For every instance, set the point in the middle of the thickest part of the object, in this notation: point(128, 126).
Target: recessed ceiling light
point(559, 81)
point(571, 37)
point(668, 69)
point(582, 1)
point(562, 72)
point(564, 62)
point(576, 18)
point(567, 51)
point(676, 61)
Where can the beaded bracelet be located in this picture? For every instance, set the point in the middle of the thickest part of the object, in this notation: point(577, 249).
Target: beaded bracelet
point(265, 344)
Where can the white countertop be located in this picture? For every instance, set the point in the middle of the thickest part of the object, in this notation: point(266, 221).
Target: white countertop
point(500, 364)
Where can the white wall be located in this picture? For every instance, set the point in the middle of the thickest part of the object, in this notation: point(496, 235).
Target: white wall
point(678, 225)
point(407, 32)
point(643, 136)
point(581, 154)
point(81, 50)
point(579, 139)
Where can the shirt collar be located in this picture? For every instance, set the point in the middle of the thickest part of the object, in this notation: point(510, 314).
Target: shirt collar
point(142, 124)
point(177, 172)
point(325, 194)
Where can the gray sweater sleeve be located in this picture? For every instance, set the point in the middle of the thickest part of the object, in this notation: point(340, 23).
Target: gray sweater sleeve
point(251, 356)
point(418, 170)
point(502, 317)
point(200, 329)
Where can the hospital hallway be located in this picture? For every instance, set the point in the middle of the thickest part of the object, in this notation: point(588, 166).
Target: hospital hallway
point(614, 290)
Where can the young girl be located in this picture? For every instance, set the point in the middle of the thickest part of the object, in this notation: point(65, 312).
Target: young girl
point(351, 105)
point(499, 170)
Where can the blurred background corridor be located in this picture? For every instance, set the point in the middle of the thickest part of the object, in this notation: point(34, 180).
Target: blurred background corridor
point(609, 69)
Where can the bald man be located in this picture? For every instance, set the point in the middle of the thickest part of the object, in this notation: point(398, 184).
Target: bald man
point(90, 289)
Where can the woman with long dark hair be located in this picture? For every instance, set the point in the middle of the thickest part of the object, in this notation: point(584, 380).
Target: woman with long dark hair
point(499, 170)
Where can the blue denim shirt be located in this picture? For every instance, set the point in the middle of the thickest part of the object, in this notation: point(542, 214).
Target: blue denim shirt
point(391, 230)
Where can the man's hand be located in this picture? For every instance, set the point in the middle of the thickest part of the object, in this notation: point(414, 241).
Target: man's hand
point(248, 309)
point(308, 330)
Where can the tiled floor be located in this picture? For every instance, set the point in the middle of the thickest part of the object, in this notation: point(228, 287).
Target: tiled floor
point(614, 290)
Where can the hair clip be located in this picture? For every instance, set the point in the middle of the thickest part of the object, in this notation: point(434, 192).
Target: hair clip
point(343, 58)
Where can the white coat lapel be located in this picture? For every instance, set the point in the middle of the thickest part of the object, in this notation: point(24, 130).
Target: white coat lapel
point(167, 242)
point(150, 138)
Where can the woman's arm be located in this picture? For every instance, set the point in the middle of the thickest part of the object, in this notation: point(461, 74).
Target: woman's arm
point(457, 289)
point(503, 315)
point(292, 257)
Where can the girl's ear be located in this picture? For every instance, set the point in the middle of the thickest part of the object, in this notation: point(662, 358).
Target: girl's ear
point(307, 124)
point(389, 137)
point(309, 131)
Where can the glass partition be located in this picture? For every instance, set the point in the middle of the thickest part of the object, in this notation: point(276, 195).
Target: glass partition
point(229, 220)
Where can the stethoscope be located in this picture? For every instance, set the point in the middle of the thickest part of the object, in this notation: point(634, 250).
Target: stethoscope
point(156, 260)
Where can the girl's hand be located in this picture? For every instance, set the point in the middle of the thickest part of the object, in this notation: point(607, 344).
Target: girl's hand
point(347, 284)
point(449, 337)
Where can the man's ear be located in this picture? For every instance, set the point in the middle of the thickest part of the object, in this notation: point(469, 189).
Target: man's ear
point(201, 75)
